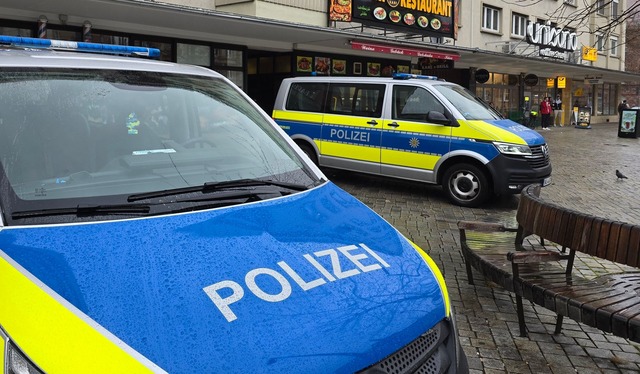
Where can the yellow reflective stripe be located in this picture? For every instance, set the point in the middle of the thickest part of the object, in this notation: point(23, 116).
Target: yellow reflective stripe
point(297, 116)
point(58, 337)
point(485, 131)
point(436, 271)
point(408, 159)
point(350, 151)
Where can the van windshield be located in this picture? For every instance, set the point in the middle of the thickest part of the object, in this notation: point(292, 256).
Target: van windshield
point(470, 106)
point(84, 137)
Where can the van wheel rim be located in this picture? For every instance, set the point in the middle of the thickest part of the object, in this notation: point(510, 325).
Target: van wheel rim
point(465, 185)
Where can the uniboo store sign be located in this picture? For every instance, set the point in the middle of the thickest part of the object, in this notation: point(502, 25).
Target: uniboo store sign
point(553, 41)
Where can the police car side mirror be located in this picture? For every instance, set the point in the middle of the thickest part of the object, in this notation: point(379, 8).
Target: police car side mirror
point(438, 118)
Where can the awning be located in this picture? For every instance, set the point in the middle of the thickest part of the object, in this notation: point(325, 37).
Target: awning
point(404, 51)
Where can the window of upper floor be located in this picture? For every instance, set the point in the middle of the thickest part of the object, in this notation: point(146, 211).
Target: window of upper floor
point(519, 25)
point(600, 7)
point(491, 18)
point(613, 46)
point(601, 43)
point(615, 4)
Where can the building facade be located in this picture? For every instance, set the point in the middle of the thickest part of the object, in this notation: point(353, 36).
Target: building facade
point(511, 55)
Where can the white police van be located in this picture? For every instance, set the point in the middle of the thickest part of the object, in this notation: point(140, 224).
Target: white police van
point(154, 219)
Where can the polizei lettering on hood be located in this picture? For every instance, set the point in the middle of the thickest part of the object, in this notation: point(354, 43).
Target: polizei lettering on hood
point(552, 37)
point(330, 265)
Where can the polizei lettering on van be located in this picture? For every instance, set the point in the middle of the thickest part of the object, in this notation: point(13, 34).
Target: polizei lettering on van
point(349, 135)
point(340, 263)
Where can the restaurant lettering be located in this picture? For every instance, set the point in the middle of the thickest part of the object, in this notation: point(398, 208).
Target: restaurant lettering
point(439, 7)
point(551, 37)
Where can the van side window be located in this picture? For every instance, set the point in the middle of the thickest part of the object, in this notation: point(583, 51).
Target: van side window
point(412, 103)
point(356, 99)
point(307, 97)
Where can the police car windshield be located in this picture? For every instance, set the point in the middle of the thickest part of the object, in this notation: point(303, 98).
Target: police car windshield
point(87, 134)
point(471, 107)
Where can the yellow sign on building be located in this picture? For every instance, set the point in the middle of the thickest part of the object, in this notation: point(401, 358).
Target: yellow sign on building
point(589, 54)
point(551, 82)
point(562, 82)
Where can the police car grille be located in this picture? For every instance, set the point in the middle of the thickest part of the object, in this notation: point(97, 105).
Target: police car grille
point(539, 157)
point(425, 355)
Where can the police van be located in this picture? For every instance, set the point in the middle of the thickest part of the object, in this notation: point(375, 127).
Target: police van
point(154, 219)
point(413, 127)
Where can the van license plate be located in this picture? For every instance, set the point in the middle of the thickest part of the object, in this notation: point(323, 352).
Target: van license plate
point(546, 181)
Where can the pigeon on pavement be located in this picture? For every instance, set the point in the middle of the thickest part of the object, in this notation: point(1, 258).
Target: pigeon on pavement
point(620, 175)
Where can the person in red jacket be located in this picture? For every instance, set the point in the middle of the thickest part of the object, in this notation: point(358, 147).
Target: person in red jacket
point(545, 113)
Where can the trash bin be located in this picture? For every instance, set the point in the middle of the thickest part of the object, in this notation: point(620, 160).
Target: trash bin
point(627, 128)
point(584, 118)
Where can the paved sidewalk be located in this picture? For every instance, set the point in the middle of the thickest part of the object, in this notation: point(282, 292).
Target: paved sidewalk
point(584, 162)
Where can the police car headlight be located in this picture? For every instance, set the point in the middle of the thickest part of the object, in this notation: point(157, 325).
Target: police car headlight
point(513, 149)
point(18, 363)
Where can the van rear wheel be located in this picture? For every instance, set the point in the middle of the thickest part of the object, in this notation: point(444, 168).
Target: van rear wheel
point(466, 185)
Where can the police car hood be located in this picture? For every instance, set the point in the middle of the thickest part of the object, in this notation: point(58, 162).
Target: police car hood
point(314, 282)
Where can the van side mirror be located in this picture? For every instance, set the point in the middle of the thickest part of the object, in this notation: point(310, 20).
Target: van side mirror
point(438, 118)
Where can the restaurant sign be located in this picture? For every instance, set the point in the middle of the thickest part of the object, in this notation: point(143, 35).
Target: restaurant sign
point(427, 17)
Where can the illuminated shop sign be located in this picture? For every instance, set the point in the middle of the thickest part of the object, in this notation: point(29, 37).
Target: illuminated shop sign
point(554, 42)
point(428, 17)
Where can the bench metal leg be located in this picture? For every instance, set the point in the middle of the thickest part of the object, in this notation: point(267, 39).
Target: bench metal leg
point(520, 308)
point(558, 324)
point(469, 273)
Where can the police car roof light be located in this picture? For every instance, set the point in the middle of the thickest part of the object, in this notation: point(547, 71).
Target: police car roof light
point(413, 76)
point(79, 46)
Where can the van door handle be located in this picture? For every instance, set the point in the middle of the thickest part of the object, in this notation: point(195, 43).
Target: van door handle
point(393, 124)
point(373, 122)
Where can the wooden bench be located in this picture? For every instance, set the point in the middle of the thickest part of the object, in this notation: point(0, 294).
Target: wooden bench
point(536, 261)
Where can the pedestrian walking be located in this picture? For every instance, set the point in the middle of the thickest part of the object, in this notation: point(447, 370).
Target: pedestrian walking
point(622, 106)
point(557, 111)
point(545, 113)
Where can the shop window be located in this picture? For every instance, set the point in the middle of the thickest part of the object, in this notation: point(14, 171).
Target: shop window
point(282, 64)
point(235, 76)
point(14, 31)
point(165, 48)
point(193, 54)
point(227, 57)
point(490, 18)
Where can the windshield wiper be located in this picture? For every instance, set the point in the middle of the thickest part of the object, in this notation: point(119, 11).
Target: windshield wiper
point(215, 187)
point(84, 211)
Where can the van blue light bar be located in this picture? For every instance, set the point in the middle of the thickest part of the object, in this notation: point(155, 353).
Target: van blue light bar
point(413, 76)
point(79, 46)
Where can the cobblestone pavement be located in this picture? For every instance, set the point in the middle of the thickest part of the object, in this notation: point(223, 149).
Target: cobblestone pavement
point(584, 163)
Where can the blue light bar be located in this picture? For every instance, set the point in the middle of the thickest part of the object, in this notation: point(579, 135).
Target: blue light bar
point(79, 46)
point(413, 76)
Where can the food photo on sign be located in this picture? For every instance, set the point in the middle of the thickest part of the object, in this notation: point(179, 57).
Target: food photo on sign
point(339, 67)
point(322, 65)
point(373, 69)
point(340, 10)
point(303, 64)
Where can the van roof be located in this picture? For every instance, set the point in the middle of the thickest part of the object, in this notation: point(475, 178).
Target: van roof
point(333, 79)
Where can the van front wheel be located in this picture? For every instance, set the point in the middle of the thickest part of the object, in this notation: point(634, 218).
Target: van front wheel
point(306, 148)
point(466, 185)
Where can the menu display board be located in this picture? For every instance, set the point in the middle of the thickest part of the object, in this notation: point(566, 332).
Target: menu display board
point(428, 17)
